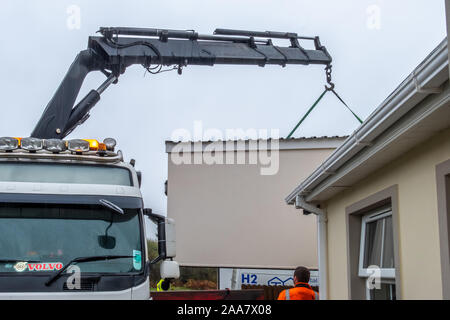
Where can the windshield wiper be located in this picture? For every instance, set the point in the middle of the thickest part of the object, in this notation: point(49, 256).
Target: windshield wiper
point(82, 259)
point(111, 206)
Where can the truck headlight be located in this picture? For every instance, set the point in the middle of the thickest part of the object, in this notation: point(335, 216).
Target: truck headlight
point(78, 145)
point(9, 144)
point(32, 144)
point(55, 145)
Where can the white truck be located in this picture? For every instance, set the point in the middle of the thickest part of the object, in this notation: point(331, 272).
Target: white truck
point(72, 223)
point(71, 211)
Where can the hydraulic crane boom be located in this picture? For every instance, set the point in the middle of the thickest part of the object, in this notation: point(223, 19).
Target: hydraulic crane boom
point(118, 48)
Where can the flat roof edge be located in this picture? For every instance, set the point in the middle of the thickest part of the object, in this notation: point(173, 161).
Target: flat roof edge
point(246, 145)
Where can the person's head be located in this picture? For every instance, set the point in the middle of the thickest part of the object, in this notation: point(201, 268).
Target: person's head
point(301, 274)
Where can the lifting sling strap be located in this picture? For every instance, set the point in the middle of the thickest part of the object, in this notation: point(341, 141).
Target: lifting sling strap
point(330, 88)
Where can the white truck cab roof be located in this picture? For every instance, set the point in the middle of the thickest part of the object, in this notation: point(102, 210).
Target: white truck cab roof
point(72, 171)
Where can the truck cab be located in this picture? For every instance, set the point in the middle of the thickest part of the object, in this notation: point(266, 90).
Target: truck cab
point(72, 222)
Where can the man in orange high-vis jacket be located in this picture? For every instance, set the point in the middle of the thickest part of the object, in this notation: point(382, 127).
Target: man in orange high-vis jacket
point(302, 290)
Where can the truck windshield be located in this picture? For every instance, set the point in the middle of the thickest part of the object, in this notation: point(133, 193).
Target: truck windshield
point(44, 238)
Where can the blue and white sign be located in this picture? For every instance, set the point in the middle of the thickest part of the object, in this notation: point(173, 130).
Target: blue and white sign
point(235, 278)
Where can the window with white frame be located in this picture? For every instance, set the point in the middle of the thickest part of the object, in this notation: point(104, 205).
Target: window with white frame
point(376, 258)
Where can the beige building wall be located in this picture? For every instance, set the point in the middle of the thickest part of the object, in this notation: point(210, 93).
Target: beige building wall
point(232, 216)
point(415, 175)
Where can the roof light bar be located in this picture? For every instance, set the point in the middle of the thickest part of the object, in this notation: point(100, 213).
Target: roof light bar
point(31, 144)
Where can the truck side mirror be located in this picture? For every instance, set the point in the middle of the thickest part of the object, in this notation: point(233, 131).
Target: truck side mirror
point(169, 269)
point(171, 248)
point(166, 235)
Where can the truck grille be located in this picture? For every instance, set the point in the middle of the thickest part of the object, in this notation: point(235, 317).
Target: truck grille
point(85, 285)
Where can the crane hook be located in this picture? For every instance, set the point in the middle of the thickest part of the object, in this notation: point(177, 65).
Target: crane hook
point(328, 71)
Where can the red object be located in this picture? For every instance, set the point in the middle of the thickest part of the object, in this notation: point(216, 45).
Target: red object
point(209, 295)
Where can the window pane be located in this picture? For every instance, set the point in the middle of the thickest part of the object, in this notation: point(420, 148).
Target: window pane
point(388, 252)
point(372, 250)
point(386, 292)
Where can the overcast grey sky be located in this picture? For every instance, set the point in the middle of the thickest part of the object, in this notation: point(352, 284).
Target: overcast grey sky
point(369, 61)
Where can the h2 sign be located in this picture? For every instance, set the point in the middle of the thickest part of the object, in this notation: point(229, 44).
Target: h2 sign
point(266, 279)
point(249, 278)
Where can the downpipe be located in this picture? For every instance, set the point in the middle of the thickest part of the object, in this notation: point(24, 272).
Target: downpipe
point(308, 208)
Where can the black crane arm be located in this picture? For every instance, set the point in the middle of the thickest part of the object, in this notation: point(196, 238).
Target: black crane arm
point(118, 48)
